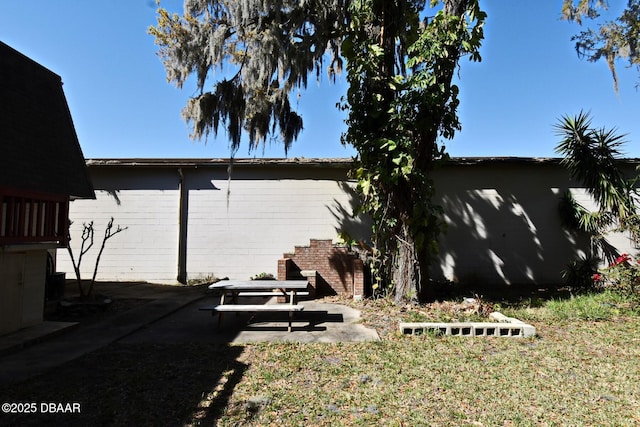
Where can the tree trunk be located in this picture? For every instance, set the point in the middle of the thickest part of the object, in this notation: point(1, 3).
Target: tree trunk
point(406, 267)
point(410, 269)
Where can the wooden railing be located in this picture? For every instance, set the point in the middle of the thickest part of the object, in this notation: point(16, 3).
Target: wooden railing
point(28, 217)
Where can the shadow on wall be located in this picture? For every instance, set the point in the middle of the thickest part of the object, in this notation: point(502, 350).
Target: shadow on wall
point(503, 225)
point(358, 228)
point(503, 228)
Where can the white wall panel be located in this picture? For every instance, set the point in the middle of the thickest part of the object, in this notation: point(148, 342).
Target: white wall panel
point(146, 250)
point(502, 219)
point(247, 232)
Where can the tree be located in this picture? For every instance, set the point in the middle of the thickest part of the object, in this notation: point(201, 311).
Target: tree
point(401, 100)
point(401, 57)
point(614, 40)
point(88, 232)
point(592, 157)
point(264, 50)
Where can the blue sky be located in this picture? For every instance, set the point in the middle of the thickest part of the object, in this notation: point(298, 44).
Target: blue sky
point(122, 105)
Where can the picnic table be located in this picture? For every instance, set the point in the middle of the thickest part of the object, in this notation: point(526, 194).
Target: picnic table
point(231, 290)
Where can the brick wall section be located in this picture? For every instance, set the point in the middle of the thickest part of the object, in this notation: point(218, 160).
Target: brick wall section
point(339, 272)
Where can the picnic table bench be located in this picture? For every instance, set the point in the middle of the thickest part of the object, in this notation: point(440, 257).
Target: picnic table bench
point(290, 289)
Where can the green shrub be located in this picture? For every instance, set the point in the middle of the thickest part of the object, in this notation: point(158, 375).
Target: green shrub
point(622, 276)
point(579, 273)
point(263, 276)
point(202, 279)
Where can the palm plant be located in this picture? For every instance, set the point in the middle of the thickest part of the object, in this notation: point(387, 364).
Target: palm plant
point(592, 157)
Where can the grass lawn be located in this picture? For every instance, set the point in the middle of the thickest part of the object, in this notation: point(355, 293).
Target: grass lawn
point(583, 368)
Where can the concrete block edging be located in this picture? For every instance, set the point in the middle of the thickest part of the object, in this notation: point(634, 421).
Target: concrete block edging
point(502, 326)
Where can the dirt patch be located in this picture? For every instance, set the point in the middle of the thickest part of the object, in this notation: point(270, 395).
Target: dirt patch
point(384, 316)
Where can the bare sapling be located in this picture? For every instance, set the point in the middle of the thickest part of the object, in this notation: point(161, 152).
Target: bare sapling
point(87, 237)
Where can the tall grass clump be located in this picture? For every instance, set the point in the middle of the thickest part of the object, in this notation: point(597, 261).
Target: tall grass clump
point(590, 306)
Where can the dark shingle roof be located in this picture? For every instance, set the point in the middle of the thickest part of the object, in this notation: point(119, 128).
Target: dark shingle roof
point(39, 146)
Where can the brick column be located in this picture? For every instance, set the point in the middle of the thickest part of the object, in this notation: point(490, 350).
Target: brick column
point(283, 268)
point(358, 279)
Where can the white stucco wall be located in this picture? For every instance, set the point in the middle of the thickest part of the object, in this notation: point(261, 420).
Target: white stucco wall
point(246, 233)
point(502, 219)
point(503, 224)
point(147, 249)
point(235, 228)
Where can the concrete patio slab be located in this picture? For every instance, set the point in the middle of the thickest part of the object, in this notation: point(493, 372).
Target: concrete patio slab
point(171, 315)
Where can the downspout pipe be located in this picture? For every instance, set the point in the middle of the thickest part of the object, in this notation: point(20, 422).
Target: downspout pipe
point(183, 214)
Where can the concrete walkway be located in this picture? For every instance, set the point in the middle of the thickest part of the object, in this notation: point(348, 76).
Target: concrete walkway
point(171, 315)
